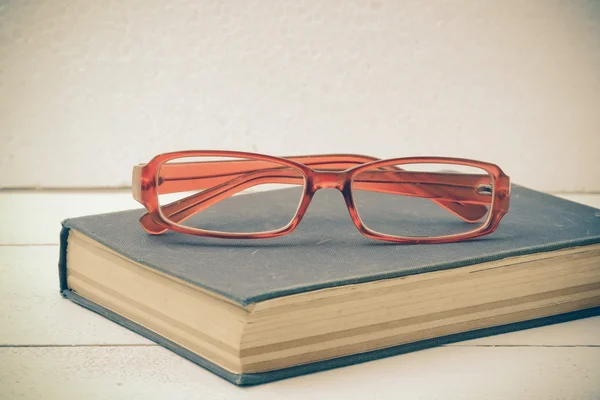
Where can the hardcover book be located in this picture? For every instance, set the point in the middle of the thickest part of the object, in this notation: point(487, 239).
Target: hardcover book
point(324, 296)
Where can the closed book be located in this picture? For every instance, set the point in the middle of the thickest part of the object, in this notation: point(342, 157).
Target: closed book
point(324, 296)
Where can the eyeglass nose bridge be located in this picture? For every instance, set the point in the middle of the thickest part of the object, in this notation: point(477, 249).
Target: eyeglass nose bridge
point(329, 180)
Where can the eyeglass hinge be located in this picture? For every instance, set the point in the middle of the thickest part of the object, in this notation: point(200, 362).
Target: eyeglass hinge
point(137, 182)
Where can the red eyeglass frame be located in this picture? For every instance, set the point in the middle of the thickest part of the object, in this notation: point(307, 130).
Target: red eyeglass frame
point(341, 170)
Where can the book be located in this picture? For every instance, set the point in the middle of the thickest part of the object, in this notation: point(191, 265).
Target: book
point(324, 296)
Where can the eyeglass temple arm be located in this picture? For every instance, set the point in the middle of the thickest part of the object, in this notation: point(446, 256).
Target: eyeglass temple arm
point(440, 193)
point(180, 210)
point(452, 191)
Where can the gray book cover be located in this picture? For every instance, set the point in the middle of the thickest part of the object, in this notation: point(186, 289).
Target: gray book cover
point(326, 250)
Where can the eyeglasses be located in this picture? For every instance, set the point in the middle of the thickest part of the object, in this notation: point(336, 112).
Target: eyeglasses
point(227, 194)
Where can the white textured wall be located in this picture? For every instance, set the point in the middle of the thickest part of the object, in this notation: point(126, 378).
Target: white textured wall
point(89, 88)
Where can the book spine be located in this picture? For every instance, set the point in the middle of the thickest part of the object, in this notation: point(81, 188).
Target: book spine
point(157, 338)
point(62, 259)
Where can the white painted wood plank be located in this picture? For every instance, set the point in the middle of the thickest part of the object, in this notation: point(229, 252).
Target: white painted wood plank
point(32, 312)
point(442, 373)
point(583, 332)
point(34, 217)
point(592, 200)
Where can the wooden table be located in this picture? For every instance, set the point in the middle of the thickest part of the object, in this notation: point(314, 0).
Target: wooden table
point(51, 348)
